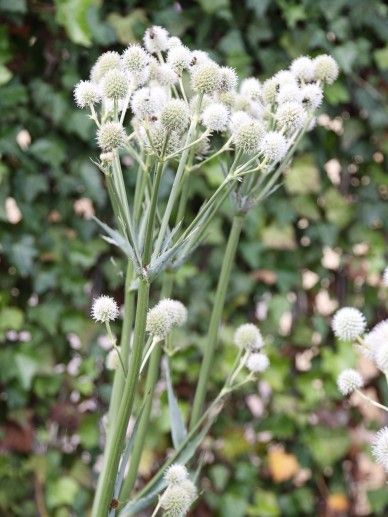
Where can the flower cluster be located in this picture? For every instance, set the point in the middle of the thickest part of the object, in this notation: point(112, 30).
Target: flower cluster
point(249, 339)
point(164, 316)
point(180, 492)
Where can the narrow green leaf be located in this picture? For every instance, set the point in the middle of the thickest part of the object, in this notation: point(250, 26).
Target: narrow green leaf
point(178, 428)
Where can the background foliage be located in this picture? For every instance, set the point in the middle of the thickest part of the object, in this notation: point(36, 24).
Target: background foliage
point(290, 446)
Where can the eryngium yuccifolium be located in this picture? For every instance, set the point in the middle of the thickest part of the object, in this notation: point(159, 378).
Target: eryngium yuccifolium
point(237, 119)
point(270, 90)
point(228, 80)
point(111, 135)
point(176, 474)
point(104, 309)
point(348, 381)
point(159, 323)
point(107, 157)
point(115, 84)
point(174, 41)
point(135, 59)
point(158, 135)
point(290, 116)
point(165, 75)
point(289, 93)
point(380, 447)
point(156, 39)
point(325, 69)
point(375, 339)
point(248, 137)
point(86, 93)
point(381, 357)
point(215, 117)
point(251, 88)
point(175, 501)
point(248, 337)
point(175, 115)
point(112, 359)
point(199, 57)
point(206, 78)
point(107, 61)
point(285, 77)
point(191, 489)
point(348, 324)
point(274, 146)
point(147, 101)
point(257, 362)
point(312, 96)
point(303, 68)
point(179, 58)
point(175, 309)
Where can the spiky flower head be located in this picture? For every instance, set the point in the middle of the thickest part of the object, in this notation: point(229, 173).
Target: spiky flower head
point(156, 39)
point(228, 80)
point(199, 57)
point(248, 337)
point(107, 158)
point(375, 339)
point(251, 88)
point(206, 78)
point(382, 358)
point(303, 68)
point(348, 324)
point(176, 474)
point(115, 84)
point(237, 119)
point(175, 115)
point(104, 309)
point(325, 69)
point(285, 77)
point(112, 360)
point(147, 101)
point(175, 309)
point(175, 501)
point(348, 381)
point(274, 146)
point(111, 135)
point(135, 58)
point(174, 41)
point(289, 93)
point(290, 116)
point(312, 96)
point(385, 277)
point(257, 362)
point(380, 447)
point(86, 93)
point(159, 323)
point(165, 75)
point(107, 61)
point(248, 136)
point(179, 58)
point(270, 90)
point(215, 117)
point(191, 489)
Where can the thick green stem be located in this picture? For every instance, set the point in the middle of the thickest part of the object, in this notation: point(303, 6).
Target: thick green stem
point(115, 444)
point(215, 319)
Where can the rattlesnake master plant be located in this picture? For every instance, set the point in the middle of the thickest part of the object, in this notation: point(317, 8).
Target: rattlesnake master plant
point(172, 110)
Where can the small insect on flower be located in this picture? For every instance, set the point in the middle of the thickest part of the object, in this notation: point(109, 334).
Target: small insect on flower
point(248, 137)
point(175, 115)
point(325, 69)
point(86, 93)
point(380, 447)
point(111, 135)
point(176, 310)
point(229, 79)
point(274, 146)
point(215, 117)
point(348, 324)
point(348, 381)
point(312, 96)
point(257, 362)
point(176, 474)
point(156, 39)
point(104, 309)
point(248, 337)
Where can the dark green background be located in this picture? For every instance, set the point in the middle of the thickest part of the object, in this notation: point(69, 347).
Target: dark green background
point(53, 260)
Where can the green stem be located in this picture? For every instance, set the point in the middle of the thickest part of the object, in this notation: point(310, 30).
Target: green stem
point(215, 318)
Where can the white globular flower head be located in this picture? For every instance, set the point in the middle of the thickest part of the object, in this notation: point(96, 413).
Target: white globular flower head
point(147, 101)
point(175, 501)
point(135, 59)
point(348, 324)
point(349, 380)
point(229, 79)
point(176, 474)
point(375, 339)
point(289, 93)
point(107, 61)
point(248, 337)
point(385, 277)
point(215, 117)
point(248, 137)
point(381, 357)
point(257, 362)
point(115, 84)
point(159, 323)
point(325, 68)
point(206, 78)
point(86, 93)
point(179, 58)
point(251, 88)
point(111, 135)
point(274, 146)
point(112, 360)
point(104, 309)
point(165, 75)
point(237, 119)
point(303, 68)
point(174, 41)
point(285, 77)
point(199, 57)
point(158, 136)
point(191, 489)
point(175, 115)
point(290, 116)
point(176, 310)
point(380, 447)
point(312, 96)
point(270, 90)
point(156, 39)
